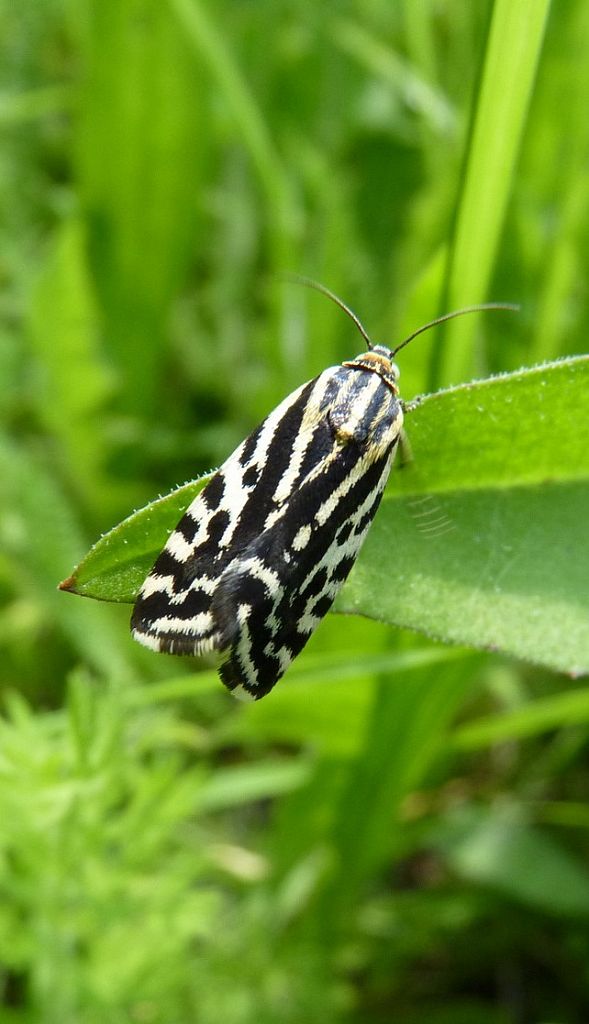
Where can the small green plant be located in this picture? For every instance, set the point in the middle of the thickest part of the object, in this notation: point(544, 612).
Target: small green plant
point(400, 831)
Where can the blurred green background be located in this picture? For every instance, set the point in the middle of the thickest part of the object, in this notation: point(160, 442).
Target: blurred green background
point(399, 831)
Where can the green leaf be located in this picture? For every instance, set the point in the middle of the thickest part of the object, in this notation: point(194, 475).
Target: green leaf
point(498, 848)
point(481, 541)
point(114, 569)
point(231, 787)
point(518, 429)
point(488, 544)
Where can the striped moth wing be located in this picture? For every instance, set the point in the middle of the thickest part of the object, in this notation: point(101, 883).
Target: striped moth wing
point(260, 555)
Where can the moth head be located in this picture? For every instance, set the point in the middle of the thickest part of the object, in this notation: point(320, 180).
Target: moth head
point(386, 357)
point(378, 359)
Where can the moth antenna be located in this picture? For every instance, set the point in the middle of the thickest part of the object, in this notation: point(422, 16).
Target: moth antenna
point(450, 316)
point(310, 283)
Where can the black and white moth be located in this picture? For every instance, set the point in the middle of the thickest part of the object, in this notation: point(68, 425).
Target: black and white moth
point(259, 556)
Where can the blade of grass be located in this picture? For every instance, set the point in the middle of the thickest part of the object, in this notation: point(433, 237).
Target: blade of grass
point(534, 718)
point(512, 54)
point(405, 730)
point(139, 151)
point(39, 530)
point(561, 183)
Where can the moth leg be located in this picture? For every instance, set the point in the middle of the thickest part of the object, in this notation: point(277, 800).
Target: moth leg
point(405, 451)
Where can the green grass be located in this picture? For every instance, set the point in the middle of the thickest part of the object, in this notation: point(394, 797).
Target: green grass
point(399, 831)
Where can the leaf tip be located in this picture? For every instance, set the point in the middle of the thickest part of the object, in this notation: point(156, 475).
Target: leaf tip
point(68, 584)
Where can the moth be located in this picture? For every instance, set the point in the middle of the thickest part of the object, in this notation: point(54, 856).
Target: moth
point(259, 556)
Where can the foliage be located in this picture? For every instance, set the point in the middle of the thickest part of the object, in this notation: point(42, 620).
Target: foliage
point(398, 832)
point(437, 595)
